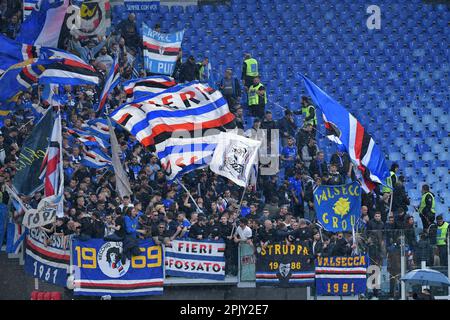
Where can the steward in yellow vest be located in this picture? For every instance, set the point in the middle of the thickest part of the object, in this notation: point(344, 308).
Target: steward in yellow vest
point(257, 98)
point(249, 70)
point(427, 208)
point(441, 239)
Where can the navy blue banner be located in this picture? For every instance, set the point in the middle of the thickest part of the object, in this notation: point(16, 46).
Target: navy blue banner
point(341, 276)
point(284, 265)
point(99, 270)
point(338, 207)
point(47, 258)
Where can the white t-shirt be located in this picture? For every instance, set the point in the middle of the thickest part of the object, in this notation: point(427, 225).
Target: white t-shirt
point(244, 234)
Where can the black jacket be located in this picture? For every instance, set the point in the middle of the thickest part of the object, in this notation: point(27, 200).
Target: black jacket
point(188, 71)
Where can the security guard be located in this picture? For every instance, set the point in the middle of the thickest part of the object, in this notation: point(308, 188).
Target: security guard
point(249, 70)
point(441, 239)
point(257, 98)
point(391, 180)
point(309, 112)
point(427, 208)
point(203, 69)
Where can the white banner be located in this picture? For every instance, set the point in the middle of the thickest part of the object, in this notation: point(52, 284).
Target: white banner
point(234, 157)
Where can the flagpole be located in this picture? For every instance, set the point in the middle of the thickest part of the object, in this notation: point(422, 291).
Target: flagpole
point(189, 194)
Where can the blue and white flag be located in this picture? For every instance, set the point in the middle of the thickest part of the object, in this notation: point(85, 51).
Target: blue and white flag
point(97, 127)
point(111, 82)
point(161, 50)
point(47, 257)
point(182, 155)
point(200, 259)
point(343, 128)
point(15, 234)
point(99, 270)
point(338, 207)
point(147, 87)
point(341, 276)
point(88, 139)
point(43, 26)
point(193, 107)
point(96, 158)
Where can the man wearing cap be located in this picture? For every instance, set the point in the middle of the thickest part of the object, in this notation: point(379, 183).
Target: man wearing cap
point(249, 70)
point(257, 98)
point(441, 239)
point(230, 88)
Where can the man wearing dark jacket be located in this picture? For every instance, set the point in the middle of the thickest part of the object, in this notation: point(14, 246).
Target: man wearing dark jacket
point(287, 127)
point(318, 166)
point(341, 246)
point(199, 230)
point(189, 70)
point(401, 199)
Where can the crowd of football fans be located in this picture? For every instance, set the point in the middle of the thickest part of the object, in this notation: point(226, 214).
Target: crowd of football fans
point(277, 208)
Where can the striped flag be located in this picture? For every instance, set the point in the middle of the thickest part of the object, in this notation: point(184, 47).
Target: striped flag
point(88, 139)
point(161, 50)
point(146, 87)
point(181, 155)
point(111, 82)
point(28, 6)
point(189, 108)
point(52, 163)
point(43, 26)
point(71, 72)
point(343, 128)
point(96, 158)
point(97, 127)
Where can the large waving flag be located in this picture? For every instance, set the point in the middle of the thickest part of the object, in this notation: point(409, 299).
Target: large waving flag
point(189, 108)
point(161, 50)
point(43, 26)
point(343, 128)
point(96, 158)
point(111, 82)
point(181, 155)
point(146, 87)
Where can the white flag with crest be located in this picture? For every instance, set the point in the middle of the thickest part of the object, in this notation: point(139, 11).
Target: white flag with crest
point(234, 157)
